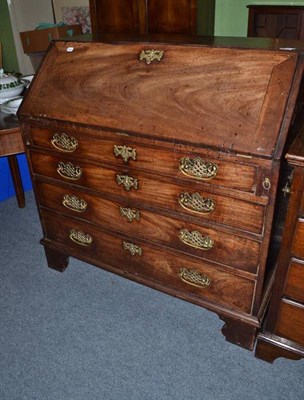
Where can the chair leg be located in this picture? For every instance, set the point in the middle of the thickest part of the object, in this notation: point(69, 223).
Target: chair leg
point(14, 168)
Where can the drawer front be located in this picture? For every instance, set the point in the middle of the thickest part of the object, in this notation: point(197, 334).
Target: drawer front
point(298, 242)
point(290, 322)
point(182, 273)
point(122, 151)
point(302, 205)
point(294, 287)
point(141, 188)
point(227, 249)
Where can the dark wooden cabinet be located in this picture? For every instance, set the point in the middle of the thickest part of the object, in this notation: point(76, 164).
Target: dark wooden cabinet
point(159, 161)
point(283, 333)
point(143, 16)
point(171, 16)
point(275, 21)
point(119, 16)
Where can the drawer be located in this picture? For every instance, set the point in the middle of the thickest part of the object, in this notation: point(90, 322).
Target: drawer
point(231, 250)
point(142, 188)
point(290, 322)
point(294, 287)
point(301, 212)
point(161, 265)
point(298, 241)
point(122, 151)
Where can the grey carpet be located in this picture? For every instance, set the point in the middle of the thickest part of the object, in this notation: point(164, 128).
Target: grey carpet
point(87, 334)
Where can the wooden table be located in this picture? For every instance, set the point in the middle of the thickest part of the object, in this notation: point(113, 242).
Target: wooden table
point(11, 144)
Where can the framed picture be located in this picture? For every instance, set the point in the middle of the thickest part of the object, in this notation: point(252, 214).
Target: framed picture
point(73, 12)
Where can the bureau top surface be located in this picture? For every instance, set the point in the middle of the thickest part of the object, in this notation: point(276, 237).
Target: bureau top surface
point(238, 100)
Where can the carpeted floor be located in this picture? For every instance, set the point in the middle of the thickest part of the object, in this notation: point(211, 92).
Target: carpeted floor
point(87, 334)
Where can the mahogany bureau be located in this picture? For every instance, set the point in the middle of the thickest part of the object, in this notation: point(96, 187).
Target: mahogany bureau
point(160, 161)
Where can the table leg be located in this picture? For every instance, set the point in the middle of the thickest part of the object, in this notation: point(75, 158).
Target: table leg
point(14, 168)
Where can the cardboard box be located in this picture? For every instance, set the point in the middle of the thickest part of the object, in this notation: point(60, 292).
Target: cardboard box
point(36, 59)
point(38, 40)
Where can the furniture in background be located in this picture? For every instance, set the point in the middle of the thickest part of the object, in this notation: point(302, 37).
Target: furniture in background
point(35, 42)
point(160, 162)
point(141, 16)
point(152, 16)
point(275, 21)
point(283, 332)
point(11, 144)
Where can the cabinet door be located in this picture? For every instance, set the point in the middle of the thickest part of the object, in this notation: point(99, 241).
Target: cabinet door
point(119, 16)
point(276, 22)
point(143, 16)
point(166, 16)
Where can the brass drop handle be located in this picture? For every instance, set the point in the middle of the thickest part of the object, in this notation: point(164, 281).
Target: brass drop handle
point(64, 143)
point(197, 168)
point(148, 56)
point(80, 238)
point(132, 248)
point(194, 278)
point(125, 152)
point(196, 239)
point(127, 181)
point(266, 184)
point(74, 203)
point(196, 203)
point(69, 171)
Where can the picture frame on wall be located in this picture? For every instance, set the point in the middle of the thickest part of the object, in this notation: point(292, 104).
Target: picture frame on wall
point(73, 12)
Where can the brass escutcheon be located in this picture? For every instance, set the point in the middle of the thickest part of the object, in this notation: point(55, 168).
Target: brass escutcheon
point(127, 181)
point(69, 171)
point(194, 278)
point(132, 248)
point(198, 168)
point(124, 152)
point(196, 203)
point(74, 203)
point(151, 55)
point(287, 188)
point(196, 239)
point(129, 213)
point(63, 142)
point(80, 237)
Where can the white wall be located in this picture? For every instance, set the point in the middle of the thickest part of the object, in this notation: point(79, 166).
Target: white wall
point(25, 15)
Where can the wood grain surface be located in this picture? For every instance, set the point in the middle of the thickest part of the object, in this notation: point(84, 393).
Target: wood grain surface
point(97, 145)
point(231, 99)
point(159, 264)
point(298, 242)
point(290, 322)
point(294, 287)
point(240, 214)
point(230, 250)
